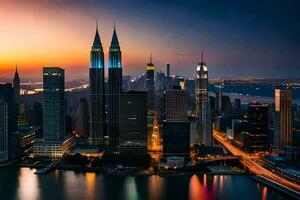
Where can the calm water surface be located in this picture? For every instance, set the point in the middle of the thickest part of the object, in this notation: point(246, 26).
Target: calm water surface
point(23, 184)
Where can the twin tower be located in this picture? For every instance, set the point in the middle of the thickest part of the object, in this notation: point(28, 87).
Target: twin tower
point(99, 126)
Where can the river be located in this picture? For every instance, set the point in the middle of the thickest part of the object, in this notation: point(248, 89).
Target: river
point(22, 183)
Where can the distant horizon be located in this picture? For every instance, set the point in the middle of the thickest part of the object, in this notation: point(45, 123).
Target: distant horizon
point(7, 77)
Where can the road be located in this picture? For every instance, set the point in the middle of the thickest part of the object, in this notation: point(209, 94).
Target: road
point(250, 161)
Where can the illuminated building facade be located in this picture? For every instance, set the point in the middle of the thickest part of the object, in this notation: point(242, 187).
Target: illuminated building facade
point(52, 149)
point(97, 95)
point(202, 103)
point(283, 119)
point(115, 90)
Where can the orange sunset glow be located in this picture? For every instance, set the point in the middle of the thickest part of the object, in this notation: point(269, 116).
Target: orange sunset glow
point(40, 35)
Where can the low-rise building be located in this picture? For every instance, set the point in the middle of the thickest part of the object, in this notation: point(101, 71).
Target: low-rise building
point(52, 149)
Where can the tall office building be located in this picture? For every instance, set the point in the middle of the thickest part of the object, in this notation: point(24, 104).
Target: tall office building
point(176, 105)
point(168, 70)
point(219, 95)
point(176, 127)
point(201, 87)
point(251, 134)
point(16, 88)
point(54, 113)
point(7, 119)
point(206, 123)
point(133, 122)
point(150, 83)
point(97, 95)
point(202, 103)
point(55, 142)
point(82, 118)
point(115, 90)
point(283, 118)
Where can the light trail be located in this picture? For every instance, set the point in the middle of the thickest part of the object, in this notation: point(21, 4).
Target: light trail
point(249, 161)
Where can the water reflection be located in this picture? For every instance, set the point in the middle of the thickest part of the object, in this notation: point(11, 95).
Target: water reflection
point(196, 190)
point(28, 185)
point(155, 186)
point(221, 183)
point(67, 185)
point(264, 193)
point(130, 188)
point(90, 185)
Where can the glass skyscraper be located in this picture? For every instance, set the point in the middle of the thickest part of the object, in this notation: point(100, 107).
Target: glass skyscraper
point(54, 103)
point(97, 119)
point(115, 89)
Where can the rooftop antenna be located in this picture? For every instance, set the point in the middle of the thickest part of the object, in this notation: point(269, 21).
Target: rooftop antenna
point(201, 56)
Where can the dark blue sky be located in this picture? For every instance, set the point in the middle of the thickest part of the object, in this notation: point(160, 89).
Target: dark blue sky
point(240, 37)
point(245, 38)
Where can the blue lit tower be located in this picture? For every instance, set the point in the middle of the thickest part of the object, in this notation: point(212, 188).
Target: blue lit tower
point(115, 89)
point(97, 92)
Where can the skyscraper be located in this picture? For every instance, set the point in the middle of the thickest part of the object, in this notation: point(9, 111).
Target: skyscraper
point(283, 118)
point(202, 103)
point(201, 87)
point(176, 127)
point(16, 88)
point(82, 118)
point(54, 113)
point(7, 119)
point(133, 122)
point(115, 89)
point(168, 69)
point(97, 95)
point(150, 83)
point(219, 95)
point(55, 142)
point(176, 105)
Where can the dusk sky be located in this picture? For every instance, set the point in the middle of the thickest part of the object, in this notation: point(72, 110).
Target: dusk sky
point(240, 38)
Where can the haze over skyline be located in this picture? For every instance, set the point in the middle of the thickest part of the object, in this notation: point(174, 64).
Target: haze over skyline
point(239, 38)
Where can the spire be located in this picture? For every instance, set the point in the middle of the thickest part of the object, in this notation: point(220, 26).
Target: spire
point(202, 56)
point(115, 40)
point(151, 57)
point(97, 40)
point(16, 72)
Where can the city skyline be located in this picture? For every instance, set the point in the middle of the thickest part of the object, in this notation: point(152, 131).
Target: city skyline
point(137, 119)
point(255, 41)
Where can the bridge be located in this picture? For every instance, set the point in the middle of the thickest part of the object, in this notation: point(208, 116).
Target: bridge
point(222, 158)
point(249, 161)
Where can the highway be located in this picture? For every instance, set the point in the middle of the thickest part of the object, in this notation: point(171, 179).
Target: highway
point(250, 161)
